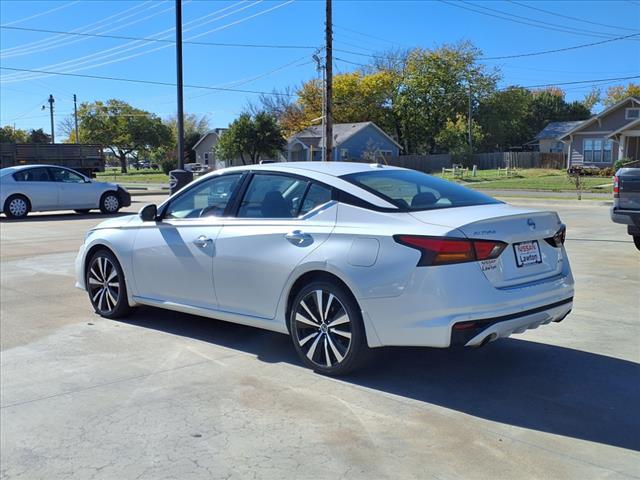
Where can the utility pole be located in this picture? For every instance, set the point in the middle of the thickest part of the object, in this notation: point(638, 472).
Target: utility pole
point(321, 72)
point(75, 115)
point(180, 119)
point(328, 108)
point(470, 138)
point(51, 101)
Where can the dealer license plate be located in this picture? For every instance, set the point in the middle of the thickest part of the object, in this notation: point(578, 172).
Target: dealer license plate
point(527, 253)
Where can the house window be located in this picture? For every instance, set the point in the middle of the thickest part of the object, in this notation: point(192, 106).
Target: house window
point(597, 150)
point(632, 113)
point(386, 153)
point(344, 154)
point(206, 158)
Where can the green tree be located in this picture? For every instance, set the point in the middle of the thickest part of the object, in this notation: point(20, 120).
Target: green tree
point(620, 92)
point(435, 87)
point(8, 134)
point(38, 136)
point(504, 118)
point(121, 128)
point(513, 116)
point(453, 138)
point(251, 137)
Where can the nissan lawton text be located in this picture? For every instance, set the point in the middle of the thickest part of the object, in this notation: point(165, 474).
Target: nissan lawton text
point(343, 257)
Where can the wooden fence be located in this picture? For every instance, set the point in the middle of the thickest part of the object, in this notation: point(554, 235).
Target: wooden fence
point(484, 161)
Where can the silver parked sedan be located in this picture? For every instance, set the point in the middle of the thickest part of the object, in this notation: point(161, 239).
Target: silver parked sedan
point(39, 188)
point(344, 257)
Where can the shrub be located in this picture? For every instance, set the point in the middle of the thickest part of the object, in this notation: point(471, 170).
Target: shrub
point(168, 164)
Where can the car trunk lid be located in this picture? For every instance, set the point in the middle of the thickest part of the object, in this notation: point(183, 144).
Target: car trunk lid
point(528, 256)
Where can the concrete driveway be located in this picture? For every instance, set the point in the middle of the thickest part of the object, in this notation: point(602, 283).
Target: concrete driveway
point(167, 395)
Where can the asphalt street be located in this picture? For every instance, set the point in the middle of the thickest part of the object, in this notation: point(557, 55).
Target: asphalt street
point(164, 395)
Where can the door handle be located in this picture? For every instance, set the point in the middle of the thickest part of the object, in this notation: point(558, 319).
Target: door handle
point(201, 241)
point(298, 237)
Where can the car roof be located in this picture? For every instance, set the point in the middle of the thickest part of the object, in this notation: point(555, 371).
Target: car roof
point(335, 169)
point(17, 168)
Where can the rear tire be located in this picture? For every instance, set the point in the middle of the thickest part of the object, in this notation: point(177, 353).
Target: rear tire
point(327, 329)
point(109, 203)
point(17, 206)
point(105, 284)
point(636, 240)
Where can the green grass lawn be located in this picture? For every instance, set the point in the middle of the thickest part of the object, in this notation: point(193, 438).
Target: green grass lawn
point(133, 176)
point(533, 179)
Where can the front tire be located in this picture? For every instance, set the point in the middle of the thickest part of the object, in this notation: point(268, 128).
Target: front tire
point(636, 240)
point(17, 206)
point(110, 203)
point(327, 329)
point(106, 286)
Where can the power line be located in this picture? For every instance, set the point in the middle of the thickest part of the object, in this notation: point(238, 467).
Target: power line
point(60, 7)
point(555, 14)
point(506, 16)
point(162, 40)
point(518, 55)
point(148, 82)
point(544, 52)
point(576, 82)
point(58, 41)
point(366, 34)
point(536, 86)
point(119, 50)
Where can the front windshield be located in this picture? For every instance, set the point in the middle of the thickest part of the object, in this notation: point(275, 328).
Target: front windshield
point(412, 191)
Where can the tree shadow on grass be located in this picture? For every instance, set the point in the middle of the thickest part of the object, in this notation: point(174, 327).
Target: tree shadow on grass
point(526, 384)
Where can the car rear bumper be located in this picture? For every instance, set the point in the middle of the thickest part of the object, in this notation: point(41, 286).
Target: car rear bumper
point(478, 332)
point(625, 217)
point(436, 299)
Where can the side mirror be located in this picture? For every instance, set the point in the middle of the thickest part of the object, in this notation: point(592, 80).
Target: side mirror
point(148, 213)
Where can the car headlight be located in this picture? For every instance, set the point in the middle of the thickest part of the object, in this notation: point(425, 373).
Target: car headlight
point(87, 235)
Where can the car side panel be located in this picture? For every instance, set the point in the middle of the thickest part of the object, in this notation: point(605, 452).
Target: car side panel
point(42, 195)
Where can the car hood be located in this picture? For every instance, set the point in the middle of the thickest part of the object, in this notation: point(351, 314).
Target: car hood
point(119, 222)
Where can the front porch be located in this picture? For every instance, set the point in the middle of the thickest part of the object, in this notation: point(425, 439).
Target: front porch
point(628, 140)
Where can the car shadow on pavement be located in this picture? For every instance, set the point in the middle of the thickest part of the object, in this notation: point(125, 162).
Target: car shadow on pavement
point(517, 382)
point(63, 216)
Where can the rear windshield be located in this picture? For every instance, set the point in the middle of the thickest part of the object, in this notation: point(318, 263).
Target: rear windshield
point(412, 191)
point(6, 171)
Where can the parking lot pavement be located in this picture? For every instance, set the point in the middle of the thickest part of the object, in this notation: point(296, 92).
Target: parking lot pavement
point(167, 395)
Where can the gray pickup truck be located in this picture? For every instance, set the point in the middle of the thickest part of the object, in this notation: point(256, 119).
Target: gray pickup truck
point(626, 201)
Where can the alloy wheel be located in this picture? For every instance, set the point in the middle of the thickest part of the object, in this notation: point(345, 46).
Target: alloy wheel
point(103, 285)
point(111, 203)
point(323, 328)
point(18, 207)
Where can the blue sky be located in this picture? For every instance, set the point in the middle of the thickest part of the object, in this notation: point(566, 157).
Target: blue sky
point(363, 26)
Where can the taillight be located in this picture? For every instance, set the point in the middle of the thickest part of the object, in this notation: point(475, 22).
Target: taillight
point(558, 239)
point(616, 187)
point(443, 250)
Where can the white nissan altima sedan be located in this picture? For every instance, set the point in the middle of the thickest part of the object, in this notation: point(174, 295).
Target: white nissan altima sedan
point(42, 188)
point(343, 257)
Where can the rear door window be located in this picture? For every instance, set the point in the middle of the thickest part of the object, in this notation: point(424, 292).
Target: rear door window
point(32, 175)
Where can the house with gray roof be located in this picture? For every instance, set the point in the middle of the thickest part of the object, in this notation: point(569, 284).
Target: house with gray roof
point(548, 138)
point(606, 137)
point(351, 141)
